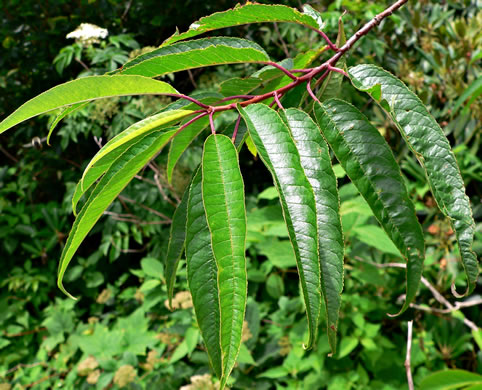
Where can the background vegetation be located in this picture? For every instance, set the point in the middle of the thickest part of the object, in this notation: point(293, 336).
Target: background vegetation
point(120, 334)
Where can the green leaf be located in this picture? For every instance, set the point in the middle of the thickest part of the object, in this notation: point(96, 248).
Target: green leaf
point(223, 197)
point(316, 163)
point(310, 11)
point(269, 77)
point(181, 142)
point(177, 237)
point(475, 88)
point(432, 149)
point(370, 165)
point(95, 171)
point(450, 379)
point(65, 112)
point(246, 14)
point(278, 151)
point(374, 236)
point(152, 267)
point(250, 145)
point(202, 274)
point(82, 90)
point(137, 129)
point(279, 253)
point(275, 286)
point(119, 174)
point(195, 54)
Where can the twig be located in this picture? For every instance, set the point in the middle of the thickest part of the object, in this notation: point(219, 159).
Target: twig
point(82, 63)
point(35, 143)
point(182, 96)
point(158, 213)
point(409, 353)
point(191, 77)
point(203, 114)
point(23, 365)
point(227, 99)
point(438, 297)
point(338, 70)
point(161, 189)
point(283, 43)
point(323, 67)
point(310, 91)
point(27, 332)
point(6, 153)
point(98, 141)
point(45, 378)
point(127, 250)
point(284, 70)
point(236, 127)
point(126, 11)
point(330, 44)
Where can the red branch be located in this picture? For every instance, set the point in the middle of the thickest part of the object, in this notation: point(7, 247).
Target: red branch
point(308, 74)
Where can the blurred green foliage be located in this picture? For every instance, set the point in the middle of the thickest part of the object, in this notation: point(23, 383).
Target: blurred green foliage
point(120, 334)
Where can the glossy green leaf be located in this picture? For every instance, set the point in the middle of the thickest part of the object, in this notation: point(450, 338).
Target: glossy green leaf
point(177, 238)
point(119, 174)
point(245, 14)
point(278, 151)
point(223, 197)
point(316, 163)
point(195, 54)
point(202, 274)
point(450, 379)
point(370, 165)
point(432, 149)
point(139, 128)
point(181, 142)
point(82, 90)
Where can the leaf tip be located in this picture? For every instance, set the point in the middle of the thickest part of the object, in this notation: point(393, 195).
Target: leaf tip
point(456, 294)
point(61, 287)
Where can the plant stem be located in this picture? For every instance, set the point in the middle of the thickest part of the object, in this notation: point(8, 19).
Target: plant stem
point(181, 96)
point(236, 128)
point(327, 67)
point(284, 70)
point(323, 67)
point(408, 356)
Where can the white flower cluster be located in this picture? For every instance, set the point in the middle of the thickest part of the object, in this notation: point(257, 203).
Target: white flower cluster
point(88, 33)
